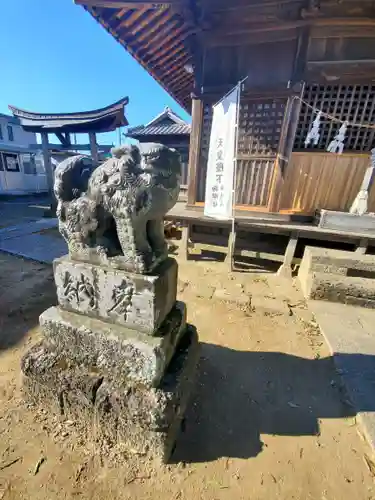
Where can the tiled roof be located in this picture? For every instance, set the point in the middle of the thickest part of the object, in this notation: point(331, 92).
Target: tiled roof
point(167, 114)
point(173, 129)
point(165, 123)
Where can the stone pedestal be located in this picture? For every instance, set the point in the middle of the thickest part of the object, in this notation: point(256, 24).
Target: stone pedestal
point(116, 353)
point(137, 301)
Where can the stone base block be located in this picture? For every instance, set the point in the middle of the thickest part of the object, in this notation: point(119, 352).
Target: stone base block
point(123, 354)
point(344, 289)
point(338, 276)
point(69, 392)
point(146, 419)
point(149, 420)
point(136, 301)
point(340, 262)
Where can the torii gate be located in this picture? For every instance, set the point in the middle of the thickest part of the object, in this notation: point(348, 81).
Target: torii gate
point(63, 124)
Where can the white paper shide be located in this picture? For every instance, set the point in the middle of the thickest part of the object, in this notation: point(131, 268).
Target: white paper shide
point(220, 165)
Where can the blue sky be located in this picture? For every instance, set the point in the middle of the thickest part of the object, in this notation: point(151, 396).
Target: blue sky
point(56, 58)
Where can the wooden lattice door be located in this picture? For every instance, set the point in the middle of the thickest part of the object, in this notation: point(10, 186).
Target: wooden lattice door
point(355, 103)
point(260, 126)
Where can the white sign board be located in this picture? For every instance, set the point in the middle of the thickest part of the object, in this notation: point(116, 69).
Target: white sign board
point(220, 165)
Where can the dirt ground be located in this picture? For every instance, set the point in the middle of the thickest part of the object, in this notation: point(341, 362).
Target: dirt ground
point(268, 419)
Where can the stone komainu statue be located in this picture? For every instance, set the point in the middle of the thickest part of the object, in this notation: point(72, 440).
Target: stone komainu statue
point(114, 213)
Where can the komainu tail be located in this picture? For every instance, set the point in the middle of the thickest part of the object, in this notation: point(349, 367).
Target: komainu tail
point(72, 177)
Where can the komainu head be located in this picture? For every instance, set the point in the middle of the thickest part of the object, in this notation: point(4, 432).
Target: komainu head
point(158, 157)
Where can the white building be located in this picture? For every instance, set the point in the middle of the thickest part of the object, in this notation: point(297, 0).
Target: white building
point(21, 168)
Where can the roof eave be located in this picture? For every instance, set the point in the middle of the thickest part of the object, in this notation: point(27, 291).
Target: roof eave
point(95, 113)
point(159, 78)
point(104, 119)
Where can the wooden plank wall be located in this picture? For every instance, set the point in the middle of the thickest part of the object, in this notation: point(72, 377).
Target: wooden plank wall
point(253, 181)
point(323, 180)
point(264, 64)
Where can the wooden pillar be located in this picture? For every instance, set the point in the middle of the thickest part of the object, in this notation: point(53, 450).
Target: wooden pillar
point(288, 132)
point(285, 269)
point(290, 123)
point(362, 247)
point(49, 170)
point(229, 259)
point(185, 241)
point(195, 147)
point(94, 148)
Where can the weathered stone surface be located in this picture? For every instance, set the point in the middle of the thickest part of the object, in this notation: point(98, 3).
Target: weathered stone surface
point(338, 276)
point(40, 388)
point(137, 301)
point(356, 301)
point(50, 379)
point(349, 332)
point(146, 419)
point(344, 289)
point(117, 209)
point(335, 261)
point(124, 355)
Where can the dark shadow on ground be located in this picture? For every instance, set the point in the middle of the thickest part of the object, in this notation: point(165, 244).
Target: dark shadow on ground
point(208, 256)
point(241, 395)
point(240, 264)
point(254, 265)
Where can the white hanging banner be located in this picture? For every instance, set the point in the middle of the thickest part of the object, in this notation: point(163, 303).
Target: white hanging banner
point(221, 158)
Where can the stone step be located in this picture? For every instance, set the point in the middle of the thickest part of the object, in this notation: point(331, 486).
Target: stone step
point(345, 221)
point(131, 357)
point(344, 289)
point(338, 276)
point(335, 262)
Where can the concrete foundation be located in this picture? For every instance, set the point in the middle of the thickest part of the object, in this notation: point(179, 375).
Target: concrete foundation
point(338, 276)
point(350, 338)
point(335, 261)
point(347, 290)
